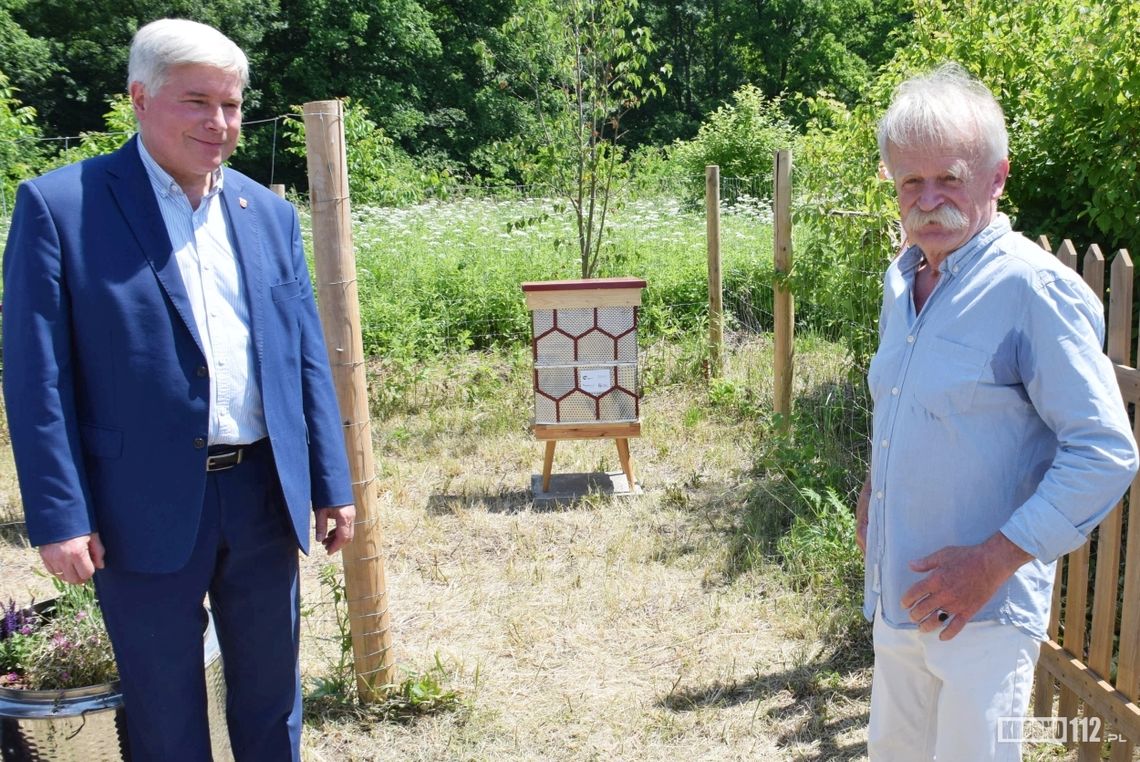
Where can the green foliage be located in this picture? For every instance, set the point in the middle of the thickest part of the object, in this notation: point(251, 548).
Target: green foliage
point(819, 550)
point(120, 125)
point(583, 66)
point(379, 171)
point(1067, 73)
point(820, 450)
point(87, 44)
point(340, 682)
point(441, 77)
point(416, 695)
point(368, 50)
point(17, 639)
point(420, 694)
point(464, 106)
point(74, 649)
point(435, 277)
point(27, 59)
point(19, 152)
point(740, 137)
point(782, 47)
point(845, 234)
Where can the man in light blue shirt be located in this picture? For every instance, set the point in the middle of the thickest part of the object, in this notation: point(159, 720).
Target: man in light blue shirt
point(999, 442)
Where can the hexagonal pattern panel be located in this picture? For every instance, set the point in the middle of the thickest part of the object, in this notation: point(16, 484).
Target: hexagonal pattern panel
point(585, 365)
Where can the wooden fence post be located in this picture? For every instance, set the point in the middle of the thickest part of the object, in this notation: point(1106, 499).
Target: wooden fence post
point(716, 283)
point(783, 306)
point(365, 588)
point(278, 188)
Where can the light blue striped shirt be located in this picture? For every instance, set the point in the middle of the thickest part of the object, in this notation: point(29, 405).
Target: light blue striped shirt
point(206, 259)
point(996, 409)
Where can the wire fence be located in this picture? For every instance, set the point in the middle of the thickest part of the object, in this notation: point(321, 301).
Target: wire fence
point(443, 276)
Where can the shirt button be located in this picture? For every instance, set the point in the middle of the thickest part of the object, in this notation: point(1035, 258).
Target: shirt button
point(199, 443)
point(886, 443)
point(895, 392)
point(201, 371)
point(910, 339)
point(954, 269)
point(879, 495)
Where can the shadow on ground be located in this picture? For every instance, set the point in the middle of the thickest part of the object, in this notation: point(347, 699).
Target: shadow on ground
point(514, 501)
point(567, 492)
point(808, 696)
point(13, 534)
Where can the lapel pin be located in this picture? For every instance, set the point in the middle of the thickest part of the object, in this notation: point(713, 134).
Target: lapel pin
point(242, 202)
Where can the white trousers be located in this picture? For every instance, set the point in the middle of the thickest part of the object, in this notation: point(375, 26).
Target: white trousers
point(942, 700)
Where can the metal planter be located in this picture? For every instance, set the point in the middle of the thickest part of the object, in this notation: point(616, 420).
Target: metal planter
point(89, 724)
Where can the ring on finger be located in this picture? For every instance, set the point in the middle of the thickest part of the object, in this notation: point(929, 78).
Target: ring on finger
point(943, 615)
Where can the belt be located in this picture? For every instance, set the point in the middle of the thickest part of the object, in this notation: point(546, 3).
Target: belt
point(225, 457)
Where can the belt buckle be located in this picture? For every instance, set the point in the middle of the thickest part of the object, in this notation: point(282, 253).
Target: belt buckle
point(224, 461)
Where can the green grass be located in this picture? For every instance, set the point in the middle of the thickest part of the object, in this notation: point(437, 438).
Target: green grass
point(446, 276)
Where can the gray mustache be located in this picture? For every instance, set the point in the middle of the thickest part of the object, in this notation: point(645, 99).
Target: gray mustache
point(944, 216)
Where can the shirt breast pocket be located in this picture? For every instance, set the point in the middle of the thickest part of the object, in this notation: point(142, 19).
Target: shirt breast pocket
point(948, 376)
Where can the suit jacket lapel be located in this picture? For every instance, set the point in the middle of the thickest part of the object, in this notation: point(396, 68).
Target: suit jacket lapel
point(244, 223)
point(131, 187)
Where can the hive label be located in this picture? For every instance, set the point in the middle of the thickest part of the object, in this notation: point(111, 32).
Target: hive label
point(595, 381)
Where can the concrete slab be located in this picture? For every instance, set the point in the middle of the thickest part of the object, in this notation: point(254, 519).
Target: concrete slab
point(569, 488)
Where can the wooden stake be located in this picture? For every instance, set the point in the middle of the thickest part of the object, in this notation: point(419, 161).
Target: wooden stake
point(278, 188)
point(784, 308)
point(365, 588)
point(716, 283)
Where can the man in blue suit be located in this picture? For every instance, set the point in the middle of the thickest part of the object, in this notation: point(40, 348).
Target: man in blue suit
point(170, 402)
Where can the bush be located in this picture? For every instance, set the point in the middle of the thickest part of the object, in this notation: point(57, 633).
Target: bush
point(740, 137)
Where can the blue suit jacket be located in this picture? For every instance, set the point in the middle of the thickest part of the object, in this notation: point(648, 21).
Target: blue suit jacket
point(104, 377)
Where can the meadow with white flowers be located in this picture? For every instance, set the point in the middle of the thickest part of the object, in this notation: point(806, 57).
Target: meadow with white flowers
point(445, 276)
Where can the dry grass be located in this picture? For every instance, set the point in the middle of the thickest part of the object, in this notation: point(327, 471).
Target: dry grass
point(610, 629)
point(614, 628)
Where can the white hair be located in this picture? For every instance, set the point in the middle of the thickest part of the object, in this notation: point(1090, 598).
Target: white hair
point(166, 43)
point(945, 108)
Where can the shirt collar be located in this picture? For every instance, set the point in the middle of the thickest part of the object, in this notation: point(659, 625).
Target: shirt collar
point(965, 253)
point(164, 183)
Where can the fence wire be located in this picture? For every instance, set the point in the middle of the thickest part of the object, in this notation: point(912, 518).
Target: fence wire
point(481, 238)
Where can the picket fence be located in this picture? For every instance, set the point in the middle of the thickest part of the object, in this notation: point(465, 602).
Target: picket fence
point(1088, 677)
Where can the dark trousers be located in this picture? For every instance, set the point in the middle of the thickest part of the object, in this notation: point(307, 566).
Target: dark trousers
point(245, 560)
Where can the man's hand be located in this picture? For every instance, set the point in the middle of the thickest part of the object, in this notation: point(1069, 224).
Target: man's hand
point(962, 579)
point(73, 560)
point(862, 513)
point(343, 525)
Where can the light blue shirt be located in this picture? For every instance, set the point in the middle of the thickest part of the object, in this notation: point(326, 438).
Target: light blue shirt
point(995, 409)
point(210, 272)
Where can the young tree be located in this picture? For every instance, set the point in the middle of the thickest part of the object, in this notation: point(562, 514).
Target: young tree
point(582, 66)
